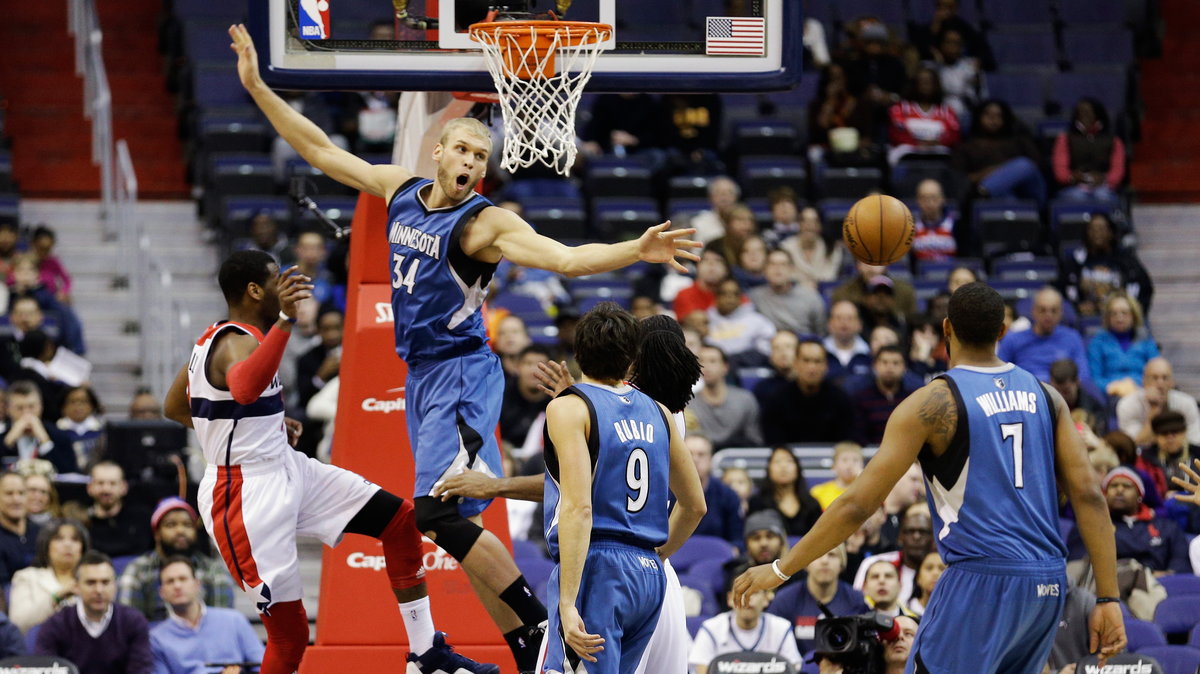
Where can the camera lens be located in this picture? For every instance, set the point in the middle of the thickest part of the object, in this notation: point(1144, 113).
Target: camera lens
point(839, 636)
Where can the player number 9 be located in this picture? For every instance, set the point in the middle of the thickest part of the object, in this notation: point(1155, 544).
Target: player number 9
point(637, 478)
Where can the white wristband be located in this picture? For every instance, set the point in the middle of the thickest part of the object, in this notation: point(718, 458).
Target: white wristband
point(285, 317)
point(778, 572)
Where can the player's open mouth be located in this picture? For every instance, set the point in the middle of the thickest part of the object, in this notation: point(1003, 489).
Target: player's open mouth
point(461, 180)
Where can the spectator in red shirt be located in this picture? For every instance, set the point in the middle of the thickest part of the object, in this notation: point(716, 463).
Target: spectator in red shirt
point(922, 123)
point(702, 294)
point(1089, 160)
point(938, 234)
point(53, 274)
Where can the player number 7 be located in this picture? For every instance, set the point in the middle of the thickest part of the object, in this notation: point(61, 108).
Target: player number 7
point(1017, 433)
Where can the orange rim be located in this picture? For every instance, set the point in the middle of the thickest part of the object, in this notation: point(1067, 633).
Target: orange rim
point(515, 38)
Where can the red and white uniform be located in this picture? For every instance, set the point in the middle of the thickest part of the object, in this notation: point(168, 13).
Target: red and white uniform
point(258, 494)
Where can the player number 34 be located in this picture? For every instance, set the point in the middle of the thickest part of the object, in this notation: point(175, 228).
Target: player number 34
point(401, 278)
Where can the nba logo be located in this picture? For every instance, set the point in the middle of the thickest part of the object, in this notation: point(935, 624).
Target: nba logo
point(314, 19)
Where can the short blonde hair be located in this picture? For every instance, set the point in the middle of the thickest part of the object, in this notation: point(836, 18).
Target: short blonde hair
point(846, 447)
point(468, 125)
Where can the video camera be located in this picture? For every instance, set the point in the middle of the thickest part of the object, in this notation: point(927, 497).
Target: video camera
point(854, 642)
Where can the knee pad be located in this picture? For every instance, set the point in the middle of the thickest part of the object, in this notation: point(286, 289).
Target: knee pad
point(451, 531)
point(287, 637)
point(402, 548)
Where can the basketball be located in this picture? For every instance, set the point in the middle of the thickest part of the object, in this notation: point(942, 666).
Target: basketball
point(878, 229)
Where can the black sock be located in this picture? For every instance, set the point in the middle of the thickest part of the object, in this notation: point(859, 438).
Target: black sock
point(524, 647)
point(521, 599)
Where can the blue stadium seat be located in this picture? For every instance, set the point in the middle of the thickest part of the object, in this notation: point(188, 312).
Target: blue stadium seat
point(1068, 220)
point(1108, 85)
point(236, 212)
point(624, 218)
point(698, 548)
point(679, 209)
point(1018, 12)
point(765, 136)
point(1174, 659)
point(1075, 12)
point(1041, 269)
point(218, 135)
point(850, 182)
point(236, 174)
point(558, 222)
point(206, 40)
point(1025, 47)
point(1142, 633)
point(1008, 226)
point(887, 11)
point(1016, 290)
point(622, 178)
point(1019, 87)
point(702, 586)
point(217, 85)
point(521, 190)
point(939, 270)
point(1177, 584)
point(833, 212)
point(694, 622)
point(524, 306)
point(1194, 637)
point(1177, 614)
point(688, 187)
point(1099, 45)
point(760, 175)
point(920, 12)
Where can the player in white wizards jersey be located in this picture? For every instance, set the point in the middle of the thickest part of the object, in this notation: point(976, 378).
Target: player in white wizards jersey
point(258, 494)
point(665, 370)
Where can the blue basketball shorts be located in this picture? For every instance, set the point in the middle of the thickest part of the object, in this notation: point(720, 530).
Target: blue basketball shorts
point(620, 596)
point(452, 408)
point(991, 617)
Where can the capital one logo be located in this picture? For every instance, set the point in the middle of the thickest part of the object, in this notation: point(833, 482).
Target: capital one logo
point(386, 406)
point(433, 559)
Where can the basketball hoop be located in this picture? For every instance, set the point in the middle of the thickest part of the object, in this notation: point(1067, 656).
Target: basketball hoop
point(540, 69)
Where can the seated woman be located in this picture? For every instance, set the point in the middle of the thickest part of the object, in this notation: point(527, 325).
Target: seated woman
point(39, 590)
point(816, 259)
point(784, 490)
point(41, 497)
point(1089, 159)
point(751, 262)
point(1117, 354)
point(998, 158)
point(1101, 266)
point(82, 419)
point(922, 123)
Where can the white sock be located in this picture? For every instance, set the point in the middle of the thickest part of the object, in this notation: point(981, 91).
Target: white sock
point(418, 622)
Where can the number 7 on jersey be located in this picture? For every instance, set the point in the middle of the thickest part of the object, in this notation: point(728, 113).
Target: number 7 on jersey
point(1017, 433)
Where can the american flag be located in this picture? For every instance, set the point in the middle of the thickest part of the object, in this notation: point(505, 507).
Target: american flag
point(735, 36)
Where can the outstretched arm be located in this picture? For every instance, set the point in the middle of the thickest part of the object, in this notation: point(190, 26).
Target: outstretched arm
point(304, 136)
point(498, 233)
point(685, 484)
point(928, 413)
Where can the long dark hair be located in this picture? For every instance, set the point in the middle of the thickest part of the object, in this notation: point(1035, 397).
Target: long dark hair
point(665, 368)
point(766, 488)
point(41, 556)
point(1008, 127)
point(1098, 109)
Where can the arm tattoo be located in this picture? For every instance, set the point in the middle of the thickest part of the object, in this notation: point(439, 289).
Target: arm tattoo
point(939, 413)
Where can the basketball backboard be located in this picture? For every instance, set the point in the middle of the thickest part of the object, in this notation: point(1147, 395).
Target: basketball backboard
point(657, 45)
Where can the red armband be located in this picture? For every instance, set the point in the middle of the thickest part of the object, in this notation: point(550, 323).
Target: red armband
point(247, 379)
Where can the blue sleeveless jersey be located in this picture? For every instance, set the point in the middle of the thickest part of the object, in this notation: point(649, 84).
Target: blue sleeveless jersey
point(630, 445)
point(993, 493)
point(437, 289)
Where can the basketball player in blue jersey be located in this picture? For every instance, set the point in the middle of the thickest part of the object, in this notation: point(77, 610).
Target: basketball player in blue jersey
point(992, 442)
point(612, 454)
point(664, 369)
point(445, 241)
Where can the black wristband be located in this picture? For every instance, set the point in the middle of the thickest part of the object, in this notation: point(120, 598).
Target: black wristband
point(1108, 600)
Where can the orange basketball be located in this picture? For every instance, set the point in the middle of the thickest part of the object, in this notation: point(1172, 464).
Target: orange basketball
point(878, 229)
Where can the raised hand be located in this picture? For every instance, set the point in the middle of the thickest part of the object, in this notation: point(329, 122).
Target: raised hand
point(660, 246)
point(293, 287)
point(1190, 489)
point(247, 65)
point(554, 378)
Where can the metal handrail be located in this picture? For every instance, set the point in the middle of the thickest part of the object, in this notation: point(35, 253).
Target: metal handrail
point(161, 321)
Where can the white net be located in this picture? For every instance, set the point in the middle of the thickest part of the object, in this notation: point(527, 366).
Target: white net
point(540, 73)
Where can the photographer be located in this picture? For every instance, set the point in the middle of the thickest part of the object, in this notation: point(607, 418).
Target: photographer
point(887, 656)
point(743, 629)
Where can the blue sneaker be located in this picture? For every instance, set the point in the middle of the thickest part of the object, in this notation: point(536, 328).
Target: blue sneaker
point(441, 659)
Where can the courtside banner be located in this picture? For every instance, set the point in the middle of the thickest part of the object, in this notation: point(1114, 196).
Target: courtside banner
point(358, 625)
